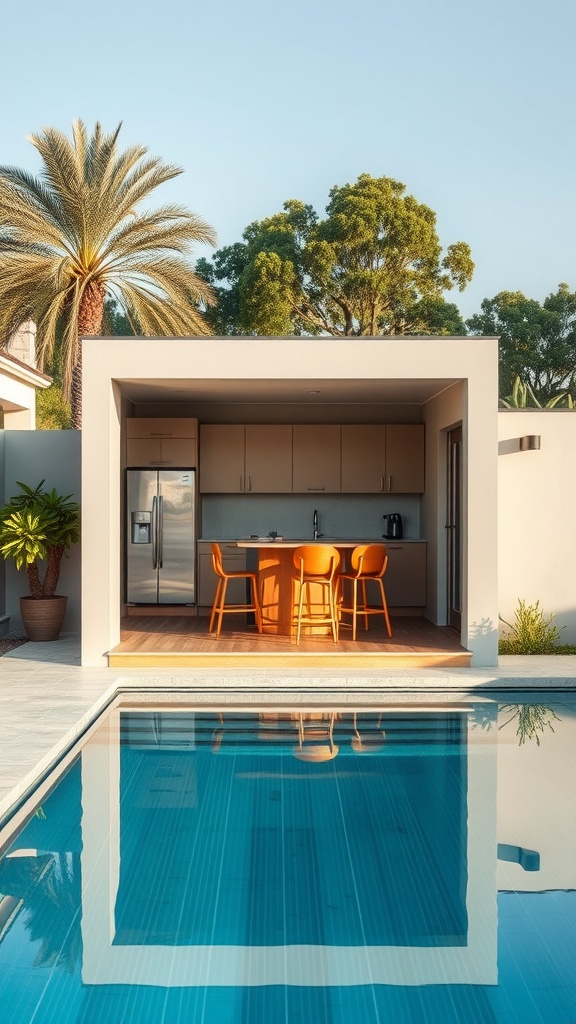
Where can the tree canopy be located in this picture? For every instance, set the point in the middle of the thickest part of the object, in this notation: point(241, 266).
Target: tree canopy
point(537, 342)
point(374, 265)
point(75, 235)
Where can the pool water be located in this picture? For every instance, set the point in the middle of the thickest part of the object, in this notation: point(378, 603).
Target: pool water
point(411, 862)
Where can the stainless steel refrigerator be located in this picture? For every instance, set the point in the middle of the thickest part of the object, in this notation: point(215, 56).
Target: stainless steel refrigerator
point(161, 537)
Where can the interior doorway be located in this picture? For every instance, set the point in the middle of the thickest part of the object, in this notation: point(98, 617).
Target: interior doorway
point(454, 527)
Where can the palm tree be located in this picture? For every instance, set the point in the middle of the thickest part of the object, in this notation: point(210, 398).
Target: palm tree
point(72, 237)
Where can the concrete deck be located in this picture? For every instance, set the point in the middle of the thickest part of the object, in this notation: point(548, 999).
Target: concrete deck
point(47, 699)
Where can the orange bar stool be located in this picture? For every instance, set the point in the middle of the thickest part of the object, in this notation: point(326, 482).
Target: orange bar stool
point(367, 562)
point(316, 566)
point(220, 608)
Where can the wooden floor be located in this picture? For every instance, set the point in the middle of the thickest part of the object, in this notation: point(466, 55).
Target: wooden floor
point(174, 641)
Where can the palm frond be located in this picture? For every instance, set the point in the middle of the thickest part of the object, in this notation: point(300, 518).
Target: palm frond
point(74, 234)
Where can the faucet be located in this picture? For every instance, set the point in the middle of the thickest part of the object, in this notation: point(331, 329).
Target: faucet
point(315, 525)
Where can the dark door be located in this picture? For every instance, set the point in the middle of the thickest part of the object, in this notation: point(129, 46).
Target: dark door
point(454, 527)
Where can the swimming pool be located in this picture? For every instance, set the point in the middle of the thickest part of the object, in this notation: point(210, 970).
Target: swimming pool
point(410, 862)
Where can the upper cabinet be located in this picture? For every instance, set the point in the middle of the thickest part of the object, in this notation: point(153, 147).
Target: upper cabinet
point(404, 458)
point(222, 458)
point(363, 458)
point(238, 459)
point(378, 458)
point(312, 458)
point(162, 442)
point(316, 458)
point(268, 458)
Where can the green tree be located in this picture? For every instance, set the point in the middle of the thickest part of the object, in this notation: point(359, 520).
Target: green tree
point(75, 235)
point(374, 265)
point(115, 321)
point(52, 410)
point(537, 342)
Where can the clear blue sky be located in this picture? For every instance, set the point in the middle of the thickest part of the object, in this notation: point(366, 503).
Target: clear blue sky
point(470, 103)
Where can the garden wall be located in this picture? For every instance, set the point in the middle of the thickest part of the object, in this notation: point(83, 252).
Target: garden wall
point(537, 515)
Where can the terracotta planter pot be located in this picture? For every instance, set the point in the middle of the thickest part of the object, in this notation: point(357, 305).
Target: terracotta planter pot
point(43, 617)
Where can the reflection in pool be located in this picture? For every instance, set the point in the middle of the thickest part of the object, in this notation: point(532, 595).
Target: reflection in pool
point(237, 867)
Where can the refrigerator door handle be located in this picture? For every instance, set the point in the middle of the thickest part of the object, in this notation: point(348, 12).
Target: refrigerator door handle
point(154, 532)
point(161, 532)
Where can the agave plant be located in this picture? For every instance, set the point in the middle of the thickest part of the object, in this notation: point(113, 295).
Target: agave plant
point(523, 397)
point(39, 526)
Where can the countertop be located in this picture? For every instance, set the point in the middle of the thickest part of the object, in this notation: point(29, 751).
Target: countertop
point(259, 542)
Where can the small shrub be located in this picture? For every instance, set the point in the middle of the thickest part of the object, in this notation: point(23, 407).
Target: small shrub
point(530, 633)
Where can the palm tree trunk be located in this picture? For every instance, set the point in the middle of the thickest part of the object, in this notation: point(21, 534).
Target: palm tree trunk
point(52, 574)
point(90, 317)
point(34, 582)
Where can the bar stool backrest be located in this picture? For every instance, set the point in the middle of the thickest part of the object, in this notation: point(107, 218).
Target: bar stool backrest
point(318, 560)
point(217, 560)
point(369, 560)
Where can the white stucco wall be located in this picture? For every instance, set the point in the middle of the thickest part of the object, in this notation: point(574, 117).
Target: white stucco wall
point(536, 502)
point(18, 400)
point(108, 362)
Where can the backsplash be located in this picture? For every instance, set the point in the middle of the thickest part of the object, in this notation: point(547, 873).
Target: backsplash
point(346, 516)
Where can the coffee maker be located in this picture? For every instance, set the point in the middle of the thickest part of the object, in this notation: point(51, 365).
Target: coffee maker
point(393, 528)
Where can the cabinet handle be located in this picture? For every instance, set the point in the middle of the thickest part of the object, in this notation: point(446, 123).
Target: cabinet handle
point(249, 483)
point(161, 462)
point(381, 483)
point(316, 488)
point(160, 433)
point(241, 483)
point(389, 483)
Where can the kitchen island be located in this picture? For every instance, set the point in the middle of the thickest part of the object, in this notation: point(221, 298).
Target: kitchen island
point(278, 594)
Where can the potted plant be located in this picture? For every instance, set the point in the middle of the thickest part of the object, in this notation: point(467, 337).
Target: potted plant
point(37, 527)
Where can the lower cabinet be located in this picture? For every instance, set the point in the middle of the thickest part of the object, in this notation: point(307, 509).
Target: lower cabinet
point(233, 558)
point(405, 576)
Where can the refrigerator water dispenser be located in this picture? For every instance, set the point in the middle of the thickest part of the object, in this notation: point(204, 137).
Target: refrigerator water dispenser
point(141, 527)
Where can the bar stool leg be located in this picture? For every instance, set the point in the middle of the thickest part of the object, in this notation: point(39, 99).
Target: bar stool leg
point(365, 600)
point(256, 603)
point(332, 596)
point(216, 604)
point(385, 608)
point(221, 606)
point(300, 603)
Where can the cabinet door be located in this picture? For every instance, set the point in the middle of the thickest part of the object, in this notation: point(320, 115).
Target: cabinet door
point(363, 455)
point(179, 452)
point(233, 559)
point(142, 451)
point(316, 458)
point(405, 576)
point(222, 458)
point(268, 462)
point(405, 458)
point(146, 451)
point(173, 426)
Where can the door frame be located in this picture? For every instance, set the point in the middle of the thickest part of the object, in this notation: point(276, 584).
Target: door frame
point(454, 498)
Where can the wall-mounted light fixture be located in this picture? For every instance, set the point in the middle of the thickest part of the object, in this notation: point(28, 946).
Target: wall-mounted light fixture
point(530, 443)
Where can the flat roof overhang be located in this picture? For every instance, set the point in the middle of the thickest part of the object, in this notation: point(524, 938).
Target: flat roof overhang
point(313, 390)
